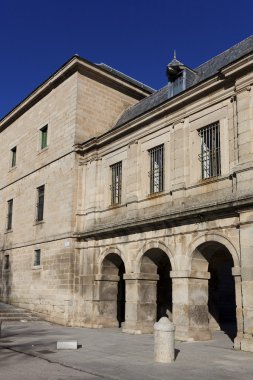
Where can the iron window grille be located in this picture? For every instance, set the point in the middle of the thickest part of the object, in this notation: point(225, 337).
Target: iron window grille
point(37, 257)
point(156, 173)
point(44, 133)
point(40, 203)
point(116, 185)
point(9, 214)
point(6, 262)
point(13, 157)
point(210, 156)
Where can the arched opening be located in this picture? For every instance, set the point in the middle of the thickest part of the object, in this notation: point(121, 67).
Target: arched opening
point(216, 259)
point(113, 288)
point(156, 262)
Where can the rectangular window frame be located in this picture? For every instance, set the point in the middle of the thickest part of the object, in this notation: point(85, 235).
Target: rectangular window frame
point(6, 262)
point(156, 173)
point(14, 157)
point(44, 137)
point(210, 156)
point(9, 215)
point(37, 258)
point(116, 183)
point(40, 203)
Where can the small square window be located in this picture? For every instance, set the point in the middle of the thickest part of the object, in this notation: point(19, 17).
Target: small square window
point(13, 157)
point(37, 257)
point(43, 137)
point(6, 262)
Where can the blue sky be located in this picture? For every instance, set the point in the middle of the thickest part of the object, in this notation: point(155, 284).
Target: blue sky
point(136, 37)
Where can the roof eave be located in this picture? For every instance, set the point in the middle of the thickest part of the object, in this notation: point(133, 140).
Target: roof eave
point(186, 96)
point(73, 65)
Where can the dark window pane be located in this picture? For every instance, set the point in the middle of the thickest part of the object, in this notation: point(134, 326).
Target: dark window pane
point(37, 257)
point(6, 262)
point(40, 203)
point(13, 156)
point(9, 214)
point(44, 137)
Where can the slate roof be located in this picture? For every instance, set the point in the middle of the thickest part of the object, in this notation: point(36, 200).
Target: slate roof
point(126, 77)
point(203, 72)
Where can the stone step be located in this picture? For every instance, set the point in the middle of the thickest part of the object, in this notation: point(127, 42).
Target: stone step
point(17, 311)
point(13, 313)
point(28, 318)
point(17, 315)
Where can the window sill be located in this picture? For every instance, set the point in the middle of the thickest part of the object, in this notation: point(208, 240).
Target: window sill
point(6, 270)
point(13, 168)
point(156, 195)
point(116, 205)
point(210, 179)
point(8, 231)
point(37, 267)
point(38, 222)
point(42, 150)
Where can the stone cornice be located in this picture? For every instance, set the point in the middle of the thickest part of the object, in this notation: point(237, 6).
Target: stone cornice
point(181, 217)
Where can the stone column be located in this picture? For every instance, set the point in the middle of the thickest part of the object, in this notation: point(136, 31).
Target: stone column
point(246, 238)
point(236, 272)
point(190, 308)
point(105, 301)
point(141, 306)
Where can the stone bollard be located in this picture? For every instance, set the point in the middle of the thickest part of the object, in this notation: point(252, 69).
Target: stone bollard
point(164, 335)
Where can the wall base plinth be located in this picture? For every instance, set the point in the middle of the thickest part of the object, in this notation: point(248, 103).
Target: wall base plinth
point(244, 344)
point(137, 328)
point(191, 334)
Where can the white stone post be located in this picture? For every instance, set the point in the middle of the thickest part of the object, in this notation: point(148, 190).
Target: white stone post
point(164, 336)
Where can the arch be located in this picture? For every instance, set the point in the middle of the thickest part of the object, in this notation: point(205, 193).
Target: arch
point(153, 244)
point(106, 252)
point(112, 287)
point(216, 238)
point(214, 255)
point(155, 265)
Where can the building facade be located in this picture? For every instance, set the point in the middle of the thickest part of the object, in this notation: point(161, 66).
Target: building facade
point(120, 204)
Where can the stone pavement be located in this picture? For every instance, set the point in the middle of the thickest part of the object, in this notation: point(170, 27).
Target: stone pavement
point(28, 351)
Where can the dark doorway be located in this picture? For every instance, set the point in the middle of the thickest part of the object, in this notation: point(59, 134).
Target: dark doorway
point(164, 291)
point(215, 258)
point(113, 267)
point(121, 296)
point(221, 292)
point(156, 261)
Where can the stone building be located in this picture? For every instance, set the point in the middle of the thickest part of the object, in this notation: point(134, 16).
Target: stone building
point(121, 204)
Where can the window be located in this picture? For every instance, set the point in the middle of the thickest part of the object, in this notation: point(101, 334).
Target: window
point(156, 169)
point(9, 214)
point(116, 183)
point(13, 156)
point(36, 257)
point(6, 262)
point(40, 203)
point(43, 137)
point(210, 156)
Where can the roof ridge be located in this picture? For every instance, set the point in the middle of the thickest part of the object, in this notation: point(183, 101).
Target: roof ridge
point(126, 76)
point(204, 71)
point(223, 52)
